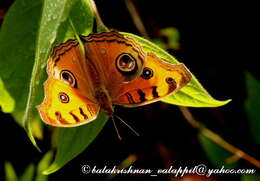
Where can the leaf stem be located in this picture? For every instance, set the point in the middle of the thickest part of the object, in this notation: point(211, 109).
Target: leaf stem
point(216, 138)
point(100, 25)
point(81, 45)
point(136, 18)
point(36, 73)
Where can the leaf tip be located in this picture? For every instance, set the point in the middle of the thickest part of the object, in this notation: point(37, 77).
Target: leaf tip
point(53, 168)
point(222, 103)
point(32, 139)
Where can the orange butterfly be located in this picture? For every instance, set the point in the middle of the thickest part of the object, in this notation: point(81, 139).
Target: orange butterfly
point(114, 71)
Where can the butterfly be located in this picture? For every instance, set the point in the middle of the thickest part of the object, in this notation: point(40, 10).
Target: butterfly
point(114, 70)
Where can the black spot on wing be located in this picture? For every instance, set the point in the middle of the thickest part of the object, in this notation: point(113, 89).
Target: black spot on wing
point(82, 113)
point(75, 117)
point(142, 95)
point(172, 85)
point(59, 118)
point(154, 92)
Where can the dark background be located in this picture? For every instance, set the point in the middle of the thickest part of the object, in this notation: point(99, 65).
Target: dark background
point(217, 44)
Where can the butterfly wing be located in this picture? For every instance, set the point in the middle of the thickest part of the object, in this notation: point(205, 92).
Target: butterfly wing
point(64, 106)
point(69, 65)
point(158, 80)
point(69, 92)
point(115, 57)
point(114, 70)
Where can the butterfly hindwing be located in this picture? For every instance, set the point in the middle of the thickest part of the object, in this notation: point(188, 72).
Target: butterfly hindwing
point(158, 80)
point(63, 106)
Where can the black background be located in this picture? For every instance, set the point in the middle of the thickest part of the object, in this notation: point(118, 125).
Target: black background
point(218, 44)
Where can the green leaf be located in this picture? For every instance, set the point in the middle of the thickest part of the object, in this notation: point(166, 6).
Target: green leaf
point(42, 165)
point(10, 174)
point(72, 141)
point(17, 48)
point(53, 14)
point(6, 101)
point(216, 154)
point(173, 37)
point(160, 43)
point(252, 105)
point(193, 95)
point(82, 18)
point(28, 173)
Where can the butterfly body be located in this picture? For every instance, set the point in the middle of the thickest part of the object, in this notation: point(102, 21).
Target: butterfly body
point(113, 71)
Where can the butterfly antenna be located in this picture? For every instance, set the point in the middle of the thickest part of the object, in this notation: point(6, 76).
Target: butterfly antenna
point(117, 132)
point(132, 129)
